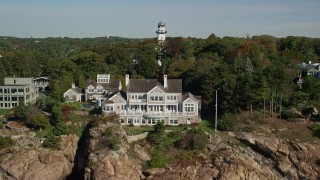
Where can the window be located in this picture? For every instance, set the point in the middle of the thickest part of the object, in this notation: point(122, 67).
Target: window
point(136, 121)
point(156, 98)
point(173, 121)
point(1, 98)
point(14, 98)
point(14, 90)
point(153, 121)
point(1, 90)
point(20, 90)
point(171, 97)
point(5, 91)
point(109, 108)
point(129, 121)
point(90, 90)
point(143, 121)
point(189, 107)
point(99, 90)
point(121, 121)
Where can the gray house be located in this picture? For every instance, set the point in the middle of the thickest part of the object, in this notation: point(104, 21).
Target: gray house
point(148, 101)
point(17, 90)
point(102, 87)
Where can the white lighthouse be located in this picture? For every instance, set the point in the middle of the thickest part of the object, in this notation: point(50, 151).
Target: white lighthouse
point(161, 32)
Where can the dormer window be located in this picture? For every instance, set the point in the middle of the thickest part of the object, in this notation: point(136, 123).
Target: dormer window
point(90, 90)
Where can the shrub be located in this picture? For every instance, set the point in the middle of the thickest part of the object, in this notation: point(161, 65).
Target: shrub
point(194, 139)
point(227, 122)
point(60, 128)
point(40, 121)
point(315, 128)
point(1, 124)
point(288, 115)
point(52, 142)
point(6, 142)
point(156, 135)
point(159, 159)
point(248, 129)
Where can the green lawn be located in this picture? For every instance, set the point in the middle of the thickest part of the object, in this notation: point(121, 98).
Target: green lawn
point(205, 125)
point(3, 111)
point(137, 130)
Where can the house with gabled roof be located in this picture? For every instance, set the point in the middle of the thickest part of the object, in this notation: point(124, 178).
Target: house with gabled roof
point(101, 88)
point(148, 101)
point(74, 94)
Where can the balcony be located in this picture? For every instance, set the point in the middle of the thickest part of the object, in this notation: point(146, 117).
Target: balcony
point(137, 100)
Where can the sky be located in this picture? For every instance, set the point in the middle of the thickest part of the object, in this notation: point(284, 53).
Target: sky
point(139, 18)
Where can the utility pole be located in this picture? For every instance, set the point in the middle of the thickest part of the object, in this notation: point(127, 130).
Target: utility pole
point(280, 105)
point(216, 114)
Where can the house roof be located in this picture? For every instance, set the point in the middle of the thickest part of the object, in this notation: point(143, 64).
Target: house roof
point(145, 85)
point(77, 90)
point(189, 95)
point(113, 84)
point(119, 93)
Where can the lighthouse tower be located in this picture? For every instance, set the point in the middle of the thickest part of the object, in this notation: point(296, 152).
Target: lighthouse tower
point(161, 32)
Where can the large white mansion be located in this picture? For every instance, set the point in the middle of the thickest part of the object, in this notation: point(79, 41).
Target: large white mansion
point(148, 101)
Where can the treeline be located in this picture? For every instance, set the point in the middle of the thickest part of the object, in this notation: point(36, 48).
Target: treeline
point(249, 73)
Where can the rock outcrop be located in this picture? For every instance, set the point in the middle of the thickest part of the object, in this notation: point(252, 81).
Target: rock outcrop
point(294, 160)
point(108, 160)
point(39, 163)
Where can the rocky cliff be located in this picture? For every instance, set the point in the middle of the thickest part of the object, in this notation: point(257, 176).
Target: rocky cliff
point(108, 154)
point(24, 162)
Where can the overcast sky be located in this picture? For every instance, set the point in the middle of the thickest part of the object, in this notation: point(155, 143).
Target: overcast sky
point(139, 18)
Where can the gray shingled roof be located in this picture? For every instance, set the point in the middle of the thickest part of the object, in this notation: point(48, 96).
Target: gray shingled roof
point(77, 90)
point(112, 85)
point(189, 95)
point(145, 85)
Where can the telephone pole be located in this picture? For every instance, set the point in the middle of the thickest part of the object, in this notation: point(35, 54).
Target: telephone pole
point(216, 114)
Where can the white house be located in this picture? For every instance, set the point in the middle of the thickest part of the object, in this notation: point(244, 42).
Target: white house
point(148, 101)
point(16, 90)
point(74, 94)
point(101, 88)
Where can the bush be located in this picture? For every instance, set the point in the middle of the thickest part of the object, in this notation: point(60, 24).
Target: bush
point(227, 122)
point(1, 124)
point(156, 135)
point(52, 142)
point(6, 142)
point(111, 139)
point(315, 128)
point(288, 115)
point(194, 139)
point(248, 129)
point(159, 159)
point(60, 128)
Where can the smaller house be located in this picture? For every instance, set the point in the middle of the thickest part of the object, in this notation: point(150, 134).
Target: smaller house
point(74, 94)
point(42, 83)
point(311, 69)
point(101, 88)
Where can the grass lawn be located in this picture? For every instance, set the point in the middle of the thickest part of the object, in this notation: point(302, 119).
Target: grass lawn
point(205, 125)
point(137, 130)
point(2, 111)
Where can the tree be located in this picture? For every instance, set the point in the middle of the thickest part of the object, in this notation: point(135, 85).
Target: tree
point(20, 111)
point(60, 128)
point(40, 121)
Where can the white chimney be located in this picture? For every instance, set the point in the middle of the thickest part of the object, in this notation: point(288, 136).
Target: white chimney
point(73, 85)
point(127, 79)
point(165, 81)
